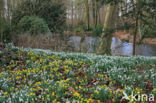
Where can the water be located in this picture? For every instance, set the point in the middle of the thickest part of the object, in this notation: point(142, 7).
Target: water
point(125, 48)
point(118, 47)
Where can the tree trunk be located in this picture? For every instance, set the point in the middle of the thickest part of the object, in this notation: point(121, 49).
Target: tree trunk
point(109, 23)
point(136, 29)
point(1, 19)
point(72, 13)
point(135, 33)
point(95, 12)
point(96, 16)
point(87, 14)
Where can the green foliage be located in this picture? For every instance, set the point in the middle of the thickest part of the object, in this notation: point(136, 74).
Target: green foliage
point(148, 31)
point(82, 77)
point(52, 11)
point(82, 25)
point(146, 12)
point(113, 1)
point(78, 29)
point(33, 25)
point(98, 30)
point(69, 27)
point(83, 28)
point(5, 30)
point(88, 29)
point(147, 18)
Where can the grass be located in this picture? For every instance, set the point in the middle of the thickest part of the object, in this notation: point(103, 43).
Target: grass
point(42, 76)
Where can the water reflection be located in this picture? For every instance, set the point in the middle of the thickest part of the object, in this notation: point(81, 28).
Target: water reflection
point(119, 47)
point(91, 44)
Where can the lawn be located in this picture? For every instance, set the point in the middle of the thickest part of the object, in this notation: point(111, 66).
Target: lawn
point(42, 76)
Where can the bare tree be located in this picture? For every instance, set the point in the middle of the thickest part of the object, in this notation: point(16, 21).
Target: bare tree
point(109, 23)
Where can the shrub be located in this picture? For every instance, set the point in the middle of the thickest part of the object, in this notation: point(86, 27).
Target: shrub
point(33, 25)
point(78, 29)
point(5, 30)
point(52, 11)
point(98, 30)
point(85, 28)
point(69, 27)
point(148, 31)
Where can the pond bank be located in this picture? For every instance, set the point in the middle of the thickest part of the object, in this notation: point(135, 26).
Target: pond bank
point(124, 36)
point(129, 38)
point(118, 47)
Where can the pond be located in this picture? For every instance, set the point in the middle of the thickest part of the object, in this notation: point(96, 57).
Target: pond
point(118, 47)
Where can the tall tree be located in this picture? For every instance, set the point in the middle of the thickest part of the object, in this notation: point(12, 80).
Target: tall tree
point(94, 12)
point(52, 11)
point(96, 5)
point(87, 14)
point(136, 26)
point(72, 11)
point(109, 24)
point(1, 18)
point(141, 13)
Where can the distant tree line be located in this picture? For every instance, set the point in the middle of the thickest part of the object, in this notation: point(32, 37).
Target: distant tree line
point(31, 16)
point(101, 17)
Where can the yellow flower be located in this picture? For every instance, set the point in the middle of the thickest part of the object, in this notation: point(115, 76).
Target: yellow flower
point(65, 66)
point(131, 100)
point(41, 60)
point(5, 93)
point(37, 83)
point(18, 77)
point(55, 100)
point(51, 76)
point(1, 74)
point(113, 100)
point(130, 96)
point(31, 94)
point(50, 63)
point(154, 90)
point(12, 88)
point(46, 89)
point(38, 87)
point(66, 70)
point(111, 91)
point(97, 92)
point(53, 93)
point(100, 75)
point(81, 100)
point(121, 90)
point(137, 90)
point(90, 100)
point(33, 89)
point(55, 69)
point(76, 94)
point(48, 95)
point(104, 85)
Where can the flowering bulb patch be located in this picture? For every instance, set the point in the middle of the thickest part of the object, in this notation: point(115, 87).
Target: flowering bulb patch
point(36, 76)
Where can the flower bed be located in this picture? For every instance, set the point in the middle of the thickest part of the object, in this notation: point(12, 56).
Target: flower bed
point(31, 75)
